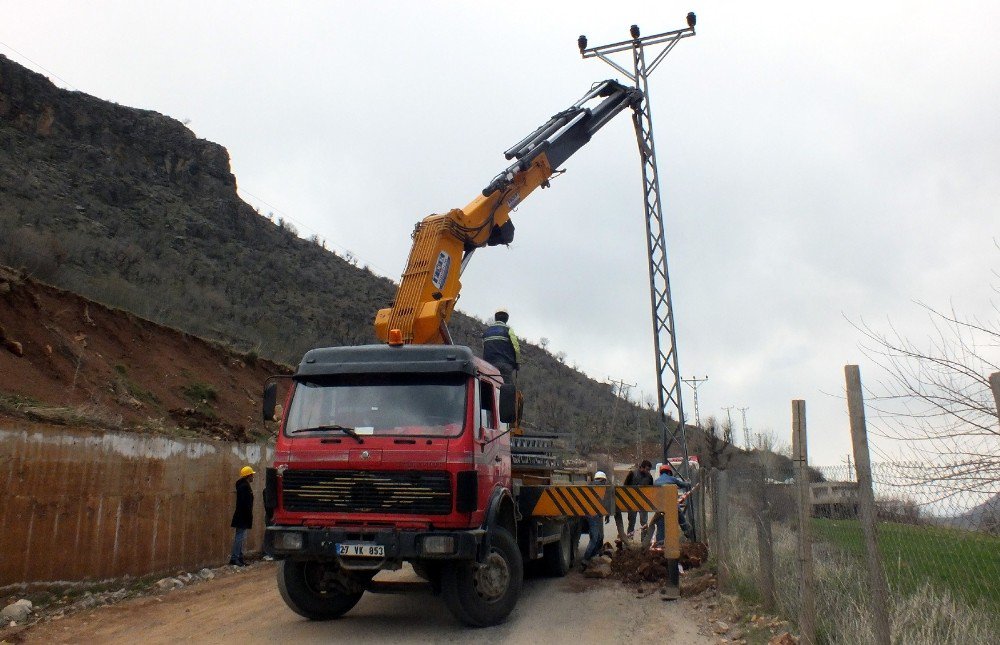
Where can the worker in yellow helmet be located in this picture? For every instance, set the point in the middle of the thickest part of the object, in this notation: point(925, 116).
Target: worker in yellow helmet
point(243, 515)
point(595, 525)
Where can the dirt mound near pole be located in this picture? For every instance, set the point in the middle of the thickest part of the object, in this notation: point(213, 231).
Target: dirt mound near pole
point(633, 566)
point(693, 555)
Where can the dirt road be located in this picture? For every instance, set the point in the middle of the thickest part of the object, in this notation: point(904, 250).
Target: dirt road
point(245, 607)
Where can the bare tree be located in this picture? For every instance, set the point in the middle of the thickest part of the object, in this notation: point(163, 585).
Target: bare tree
point(936, 397)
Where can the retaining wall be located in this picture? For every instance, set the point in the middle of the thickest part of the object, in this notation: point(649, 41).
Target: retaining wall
point(78, 504)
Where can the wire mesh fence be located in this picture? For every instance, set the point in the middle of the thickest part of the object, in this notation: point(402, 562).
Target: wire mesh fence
point(940, 550)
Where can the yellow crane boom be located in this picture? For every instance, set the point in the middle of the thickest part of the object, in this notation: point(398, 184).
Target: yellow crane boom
point(443, 243)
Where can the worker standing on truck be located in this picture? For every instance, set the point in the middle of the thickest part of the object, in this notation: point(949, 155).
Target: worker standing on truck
point(500, 346)
point(243, 515)
point(596, 524)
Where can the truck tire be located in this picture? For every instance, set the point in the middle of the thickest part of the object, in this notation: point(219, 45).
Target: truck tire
point(298, 583)
point(484, 595)
point(558, 556)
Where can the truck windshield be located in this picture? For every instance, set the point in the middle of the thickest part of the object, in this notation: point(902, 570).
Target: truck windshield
point(379, 404)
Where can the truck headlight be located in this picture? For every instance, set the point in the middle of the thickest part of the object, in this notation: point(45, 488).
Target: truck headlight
point(288, 541)
point(438, 545)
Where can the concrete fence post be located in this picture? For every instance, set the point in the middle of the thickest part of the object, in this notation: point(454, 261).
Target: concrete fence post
point(866, 503)
point(807, 588)
point(701, 497)
point(765, 551)
point(722, 525)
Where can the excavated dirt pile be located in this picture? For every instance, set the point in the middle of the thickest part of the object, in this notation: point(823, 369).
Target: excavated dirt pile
point(693, 554)
point(635, 567)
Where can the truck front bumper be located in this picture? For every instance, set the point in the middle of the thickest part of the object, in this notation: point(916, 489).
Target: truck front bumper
point(322, 544)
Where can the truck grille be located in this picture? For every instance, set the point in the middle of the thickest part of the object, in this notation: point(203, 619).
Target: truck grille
point(365, 491)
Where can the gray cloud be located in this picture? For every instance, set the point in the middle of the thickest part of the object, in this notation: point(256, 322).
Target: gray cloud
point(815, 164)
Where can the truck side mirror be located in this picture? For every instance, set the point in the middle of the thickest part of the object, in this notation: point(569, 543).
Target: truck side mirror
point(270, 399)
point(508, 403)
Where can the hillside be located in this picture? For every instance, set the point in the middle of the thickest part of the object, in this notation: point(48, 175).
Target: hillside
point(71, 361)
point(984, 517)
point(127, 207)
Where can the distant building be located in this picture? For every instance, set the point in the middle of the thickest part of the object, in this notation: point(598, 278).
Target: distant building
point(836, 500)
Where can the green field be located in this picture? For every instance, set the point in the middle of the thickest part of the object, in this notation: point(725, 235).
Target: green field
point(965, 563)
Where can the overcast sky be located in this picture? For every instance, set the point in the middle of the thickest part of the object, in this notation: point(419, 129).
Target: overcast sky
point(819, 163)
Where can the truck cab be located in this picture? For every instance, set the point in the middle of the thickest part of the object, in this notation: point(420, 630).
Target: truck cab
point(391, 454)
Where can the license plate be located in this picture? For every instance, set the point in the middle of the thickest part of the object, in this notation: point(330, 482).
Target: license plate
point(360, 550)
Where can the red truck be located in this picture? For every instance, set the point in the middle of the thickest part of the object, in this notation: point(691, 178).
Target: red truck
point(413, 451)
point(391, 454)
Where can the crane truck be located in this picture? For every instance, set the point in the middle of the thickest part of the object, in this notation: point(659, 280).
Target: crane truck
point(413, 451)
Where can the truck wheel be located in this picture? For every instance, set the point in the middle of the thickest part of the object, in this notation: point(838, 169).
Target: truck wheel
point(302, 587)
point(559, 555)
point(575, 542)
point(484, 595)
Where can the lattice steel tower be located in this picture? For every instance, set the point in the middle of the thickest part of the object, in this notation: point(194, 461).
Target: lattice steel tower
point(664, 336)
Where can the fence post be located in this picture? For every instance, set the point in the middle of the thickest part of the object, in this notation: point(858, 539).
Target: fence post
point(866, 501)
point(722, 525)
point(762, 518)
point(807, 591)
point(702, 499)
point(995, 386)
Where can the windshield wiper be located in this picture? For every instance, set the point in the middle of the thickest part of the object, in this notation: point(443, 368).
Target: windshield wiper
point(350, 432)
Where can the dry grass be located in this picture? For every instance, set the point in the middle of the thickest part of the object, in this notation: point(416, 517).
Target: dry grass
point(87, 414)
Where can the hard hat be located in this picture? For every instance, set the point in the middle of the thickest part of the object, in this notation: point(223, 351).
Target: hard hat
point(600, 475)
point(246, 470)
point(666, 468)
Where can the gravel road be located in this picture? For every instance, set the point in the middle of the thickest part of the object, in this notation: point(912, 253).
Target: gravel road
point(244, 607)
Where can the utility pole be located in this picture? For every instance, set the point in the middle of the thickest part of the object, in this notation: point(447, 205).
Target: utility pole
point(694, 382)
point(618, 395)
point(728, 438)
point(664, 336)
point(850, 468)
point(746, 431)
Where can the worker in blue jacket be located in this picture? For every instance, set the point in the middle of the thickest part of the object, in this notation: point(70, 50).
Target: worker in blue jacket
point(665, 478)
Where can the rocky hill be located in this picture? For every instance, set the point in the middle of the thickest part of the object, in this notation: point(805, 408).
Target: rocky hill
point(127, 207)
point(66, 360)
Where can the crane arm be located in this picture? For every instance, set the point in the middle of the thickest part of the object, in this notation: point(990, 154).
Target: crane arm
point(430, 284)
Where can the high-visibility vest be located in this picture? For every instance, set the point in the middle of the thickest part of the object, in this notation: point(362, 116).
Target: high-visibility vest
point(497, 346)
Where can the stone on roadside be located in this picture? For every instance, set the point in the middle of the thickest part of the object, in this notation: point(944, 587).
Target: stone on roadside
point(169, 583)
point(720, 627)
point(206, 574)
point(598, 570)
point(16, 612)
point(783, 638)
point(13, 347)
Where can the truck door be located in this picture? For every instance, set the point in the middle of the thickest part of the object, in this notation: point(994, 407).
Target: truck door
point(491, 462)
